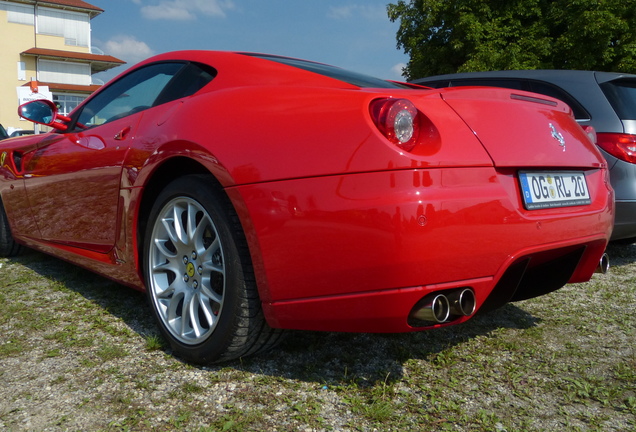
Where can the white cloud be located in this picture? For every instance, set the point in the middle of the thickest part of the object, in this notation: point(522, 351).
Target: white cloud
point(167, 11)
point(396, 72)
point(340, 12)
point(183, 10)
point(357, 11)
point(128, 48)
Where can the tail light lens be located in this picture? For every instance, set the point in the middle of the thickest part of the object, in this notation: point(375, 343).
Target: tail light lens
point(621, 146)
point(397, 120)
point(591, 133)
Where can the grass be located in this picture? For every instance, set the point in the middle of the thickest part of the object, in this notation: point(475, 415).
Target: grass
point(80, 352)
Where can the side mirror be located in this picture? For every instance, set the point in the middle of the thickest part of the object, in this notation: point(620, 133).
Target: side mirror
point(42, 112)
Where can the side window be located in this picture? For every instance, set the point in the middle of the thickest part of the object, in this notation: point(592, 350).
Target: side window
point(192, 78)
point(622, 96)
point(553, 91)
point(132, 93)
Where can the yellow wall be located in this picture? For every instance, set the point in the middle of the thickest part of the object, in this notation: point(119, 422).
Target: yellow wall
point(14, 39)
point(57, 43)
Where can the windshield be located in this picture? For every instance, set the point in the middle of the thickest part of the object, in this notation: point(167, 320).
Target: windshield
point(353, 78)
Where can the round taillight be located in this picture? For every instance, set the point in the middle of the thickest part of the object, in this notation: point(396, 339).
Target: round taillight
point(397, 120)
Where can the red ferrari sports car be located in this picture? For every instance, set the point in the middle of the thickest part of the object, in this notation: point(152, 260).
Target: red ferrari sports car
point(249, 193)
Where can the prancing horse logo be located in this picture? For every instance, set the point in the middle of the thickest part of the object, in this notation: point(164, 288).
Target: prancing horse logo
point(558, 136)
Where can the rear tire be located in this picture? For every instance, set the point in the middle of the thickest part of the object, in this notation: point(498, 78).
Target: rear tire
point(8, 246)
point(199, 276)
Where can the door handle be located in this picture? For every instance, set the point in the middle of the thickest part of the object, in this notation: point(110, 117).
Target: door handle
point(121, 135)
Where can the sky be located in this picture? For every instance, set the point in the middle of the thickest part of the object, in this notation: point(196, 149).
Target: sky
point(353, 34)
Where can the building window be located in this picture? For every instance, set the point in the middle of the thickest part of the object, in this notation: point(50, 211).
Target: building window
point(21, 71)
point(67, 102)
point(64, 72)
point(18, 14)
point(74, 27)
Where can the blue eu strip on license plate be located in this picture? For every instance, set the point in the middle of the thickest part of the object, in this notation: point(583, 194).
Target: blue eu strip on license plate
point(543, 189)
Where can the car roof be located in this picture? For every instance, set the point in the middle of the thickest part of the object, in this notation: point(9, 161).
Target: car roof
point(250, 64)
point(541, 74)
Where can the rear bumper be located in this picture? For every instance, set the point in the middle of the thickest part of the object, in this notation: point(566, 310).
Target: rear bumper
point(357, 252)
point(388, 311)
point(623, 178)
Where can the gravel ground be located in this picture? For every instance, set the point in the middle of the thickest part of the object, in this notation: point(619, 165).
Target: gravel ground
point(78, 352)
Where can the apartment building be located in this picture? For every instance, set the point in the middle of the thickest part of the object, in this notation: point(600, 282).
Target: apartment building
point(45, 50)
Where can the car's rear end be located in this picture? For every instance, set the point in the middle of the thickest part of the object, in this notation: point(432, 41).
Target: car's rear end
point(618, 141)
point(556, 180)
point(490, 196)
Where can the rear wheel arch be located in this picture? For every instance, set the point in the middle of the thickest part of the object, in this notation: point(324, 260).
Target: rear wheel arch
point(165, 174)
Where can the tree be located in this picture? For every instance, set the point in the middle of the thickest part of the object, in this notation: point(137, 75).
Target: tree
point(442, 36)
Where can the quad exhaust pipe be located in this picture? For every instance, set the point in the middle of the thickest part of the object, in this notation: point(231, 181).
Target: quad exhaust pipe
point(443, 307)
point(462, 302)
point(440, 308)
point(603, 264)
point(435, 308)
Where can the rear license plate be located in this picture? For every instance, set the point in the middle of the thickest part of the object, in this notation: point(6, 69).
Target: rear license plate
point(545, 189)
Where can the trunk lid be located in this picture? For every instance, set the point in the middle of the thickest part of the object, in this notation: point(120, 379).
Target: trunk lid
point(522, 129)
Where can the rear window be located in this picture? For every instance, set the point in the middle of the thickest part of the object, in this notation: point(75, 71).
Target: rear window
point(353, 78)
point(558, 93)
point(433, 84)
point(505, 83)
point(621, 94)
point(520, 84)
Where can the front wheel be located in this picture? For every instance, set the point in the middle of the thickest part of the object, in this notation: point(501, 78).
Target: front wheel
point(8, 246)
point(199, 276)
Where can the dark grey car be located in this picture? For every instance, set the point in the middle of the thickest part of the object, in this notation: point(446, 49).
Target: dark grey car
point(604, 100)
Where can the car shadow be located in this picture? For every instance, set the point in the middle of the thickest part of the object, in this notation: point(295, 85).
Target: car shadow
point(120, 301)
point(621, 253)
point(325, 358)
point(334, 359)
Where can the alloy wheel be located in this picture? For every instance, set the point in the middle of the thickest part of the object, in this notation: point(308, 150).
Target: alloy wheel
point(187, 270)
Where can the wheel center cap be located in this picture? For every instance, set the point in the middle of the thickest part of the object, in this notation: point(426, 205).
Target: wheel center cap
point(190, 269)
